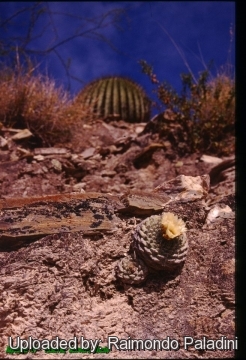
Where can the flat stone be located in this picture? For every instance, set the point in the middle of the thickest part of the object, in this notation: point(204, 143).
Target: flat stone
point(40, 216)
point(23, 134)
point(79, 187)
point(88, 153)
point(39, 157)
point(50, 151)
point(211, 159)
point(109, 173)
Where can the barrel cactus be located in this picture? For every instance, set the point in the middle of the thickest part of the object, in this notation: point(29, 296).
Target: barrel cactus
point(161, 242)
point(116, 98)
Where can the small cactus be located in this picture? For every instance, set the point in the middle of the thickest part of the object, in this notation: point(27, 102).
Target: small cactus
point(131, 270)
point(116, 98)
point(160, 240)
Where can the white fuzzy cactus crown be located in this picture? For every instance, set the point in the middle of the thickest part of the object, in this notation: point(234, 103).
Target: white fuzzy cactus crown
point(172, 226)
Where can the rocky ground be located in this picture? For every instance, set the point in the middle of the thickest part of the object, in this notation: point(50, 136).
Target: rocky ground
point(65, 285)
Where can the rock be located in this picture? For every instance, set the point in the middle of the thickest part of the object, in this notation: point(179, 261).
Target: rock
point(222, 180)
point(179, 163)
point(25, 153)
point(56, 165)
point(88, 153)
point(22, 134)
point(14, 156)
point(143, 203)
point(47, 215)
point(50, 151)
point(219, 211)
point(109, 173)
point(222, 171)
point(185, 188)
point(211, 159)
point(79, 187)
point(144, 156)
point(39, 157)
point(3, 142)
point(140, 128)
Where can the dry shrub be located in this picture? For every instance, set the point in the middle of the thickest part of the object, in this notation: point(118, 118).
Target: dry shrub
point(203, 114)
point(34, 102)
point(220, 99)
point(217, 114)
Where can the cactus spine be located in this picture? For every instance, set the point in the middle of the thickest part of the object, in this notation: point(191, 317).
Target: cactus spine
point(115, 97)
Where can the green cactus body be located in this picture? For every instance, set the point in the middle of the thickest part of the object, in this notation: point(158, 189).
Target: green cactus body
point(131, 270)
point(115, 97)
point(156, 251)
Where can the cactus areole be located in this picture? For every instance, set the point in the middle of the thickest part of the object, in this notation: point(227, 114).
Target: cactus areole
point(116, 98)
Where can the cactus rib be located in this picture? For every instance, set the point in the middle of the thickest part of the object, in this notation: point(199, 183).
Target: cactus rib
point(117, 98)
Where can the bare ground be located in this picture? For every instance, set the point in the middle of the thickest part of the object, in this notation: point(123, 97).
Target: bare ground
point(65, 285)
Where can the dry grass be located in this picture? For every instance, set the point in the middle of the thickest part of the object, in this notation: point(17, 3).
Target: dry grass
point(216, 115)
point(204, 113)
point(219, 99)
point(34, 102)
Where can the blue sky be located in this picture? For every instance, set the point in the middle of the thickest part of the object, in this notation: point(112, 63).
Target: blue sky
point(201, 30)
